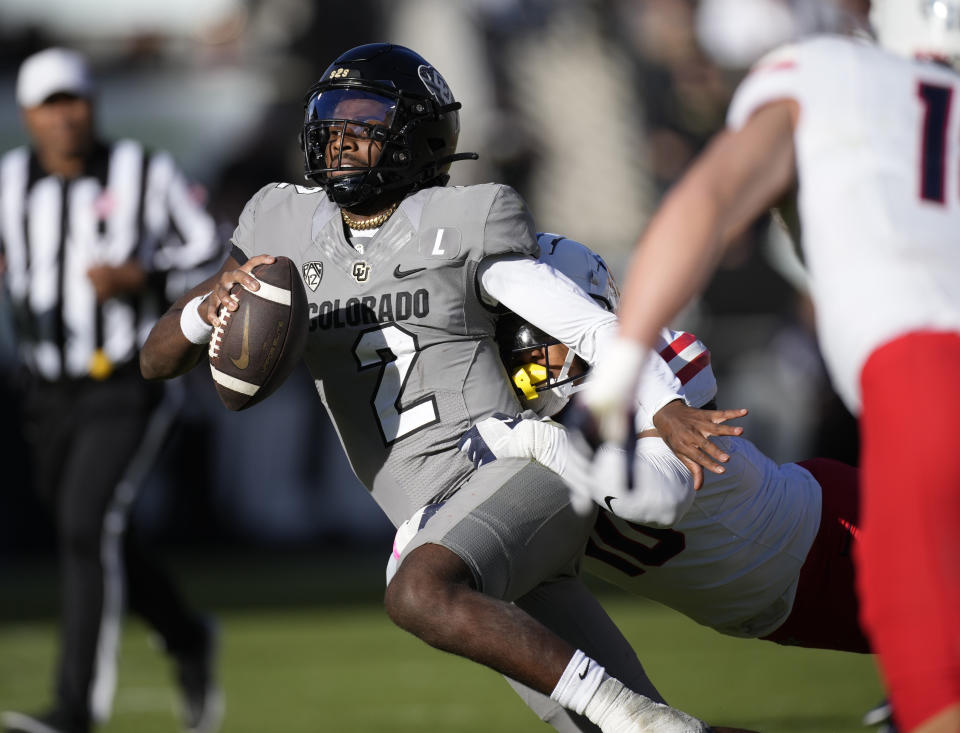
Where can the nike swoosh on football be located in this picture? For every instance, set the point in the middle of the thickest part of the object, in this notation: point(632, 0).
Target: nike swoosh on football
point(242, 361)
point(608, 500)
point(398, 273)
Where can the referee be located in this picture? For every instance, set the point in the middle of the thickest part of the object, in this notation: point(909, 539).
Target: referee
point(91, 232)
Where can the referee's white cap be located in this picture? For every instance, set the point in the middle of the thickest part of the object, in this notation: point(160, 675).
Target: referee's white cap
point(52, 71)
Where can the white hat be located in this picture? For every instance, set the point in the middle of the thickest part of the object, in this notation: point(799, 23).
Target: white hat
point(51, 71)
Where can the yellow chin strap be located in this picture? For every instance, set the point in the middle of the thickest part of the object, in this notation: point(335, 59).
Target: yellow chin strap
point(528, 377)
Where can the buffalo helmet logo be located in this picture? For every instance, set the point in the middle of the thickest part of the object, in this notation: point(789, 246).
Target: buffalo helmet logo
point(435, 83)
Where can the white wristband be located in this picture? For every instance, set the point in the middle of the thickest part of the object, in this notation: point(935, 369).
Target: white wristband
point(195, 328)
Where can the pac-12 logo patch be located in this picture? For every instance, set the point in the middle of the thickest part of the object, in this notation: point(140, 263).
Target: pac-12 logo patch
point(361, 271)
point(435, 83)
point(312, 274)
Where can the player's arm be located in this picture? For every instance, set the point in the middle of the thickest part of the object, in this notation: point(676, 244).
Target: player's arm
point(737, 178)
point(180, 338)
point(577, 321)
point(549, 300)
point(687, 431)
point(667, 491)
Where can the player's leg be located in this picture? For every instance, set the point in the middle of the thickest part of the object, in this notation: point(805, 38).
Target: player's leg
point(909, 555)
point(571, 611)
point(499, 635)
point(825, 612)
point(457, 569)
point(505, 532)
point(432, 596)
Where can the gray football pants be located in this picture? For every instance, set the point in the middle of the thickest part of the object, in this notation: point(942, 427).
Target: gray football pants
point(512, 524)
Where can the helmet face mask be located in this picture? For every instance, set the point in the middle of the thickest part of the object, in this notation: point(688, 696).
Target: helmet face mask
point(339, 115)
point(543, 385)
point(380, 119)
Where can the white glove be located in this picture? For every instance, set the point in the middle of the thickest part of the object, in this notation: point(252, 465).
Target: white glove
point(543, 441)
point(611, 388)
point(502, 436)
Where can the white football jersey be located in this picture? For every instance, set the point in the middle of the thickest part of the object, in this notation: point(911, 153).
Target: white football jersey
point(732, 561)
point(878, 162)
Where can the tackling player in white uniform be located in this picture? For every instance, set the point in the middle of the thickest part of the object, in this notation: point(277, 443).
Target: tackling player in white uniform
point(405, 278)
point(760, 551)
point(871, 140)
point(733, 558)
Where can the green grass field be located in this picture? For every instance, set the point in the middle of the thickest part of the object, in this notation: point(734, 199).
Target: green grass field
point(306, 647)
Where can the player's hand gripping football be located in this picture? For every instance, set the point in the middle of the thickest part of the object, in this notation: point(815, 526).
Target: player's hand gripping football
point(221, 291)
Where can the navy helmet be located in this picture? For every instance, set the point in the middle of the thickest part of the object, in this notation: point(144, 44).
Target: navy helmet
point(391, 96)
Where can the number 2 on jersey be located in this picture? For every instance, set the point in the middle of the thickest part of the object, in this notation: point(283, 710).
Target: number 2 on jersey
point(934, 144)
point(395, 351)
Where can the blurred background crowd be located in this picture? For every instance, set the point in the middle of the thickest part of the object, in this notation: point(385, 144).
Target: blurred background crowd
point(589, 108)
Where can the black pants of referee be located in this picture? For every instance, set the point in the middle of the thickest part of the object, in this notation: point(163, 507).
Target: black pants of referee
point(93, 443)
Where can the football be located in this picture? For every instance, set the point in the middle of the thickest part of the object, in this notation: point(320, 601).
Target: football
point(256, 346)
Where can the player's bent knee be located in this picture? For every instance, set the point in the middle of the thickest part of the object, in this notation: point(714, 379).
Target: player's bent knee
point(425, 583)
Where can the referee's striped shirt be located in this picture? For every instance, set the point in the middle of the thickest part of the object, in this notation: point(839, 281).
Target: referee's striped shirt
point(130, 203)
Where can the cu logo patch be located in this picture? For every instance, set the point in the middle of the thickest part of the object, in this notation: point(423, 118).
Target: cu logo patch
point(361, 271)
point(312, 274)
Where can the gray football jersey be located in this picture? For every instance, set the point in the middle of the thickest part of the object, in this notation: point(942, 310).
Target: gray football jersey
point(401, 346)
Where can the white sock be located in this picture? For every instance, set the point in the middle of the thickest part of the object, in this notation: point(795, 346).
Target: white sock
point(587, 689)
point(578, 683)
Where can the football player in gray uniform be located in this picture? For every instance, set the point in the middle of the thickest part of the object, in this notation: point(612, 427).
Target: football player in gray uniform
point(406, 280)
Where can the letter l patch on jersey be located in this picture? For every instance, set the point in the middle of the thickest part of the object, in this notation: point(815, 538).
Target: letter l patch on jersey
point(440, 243)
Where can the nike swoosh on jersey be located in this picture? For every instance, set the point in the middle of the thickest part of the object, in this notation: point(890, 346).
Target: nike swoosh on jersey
point(398, 273)
point(608, 500)
point(242, 361)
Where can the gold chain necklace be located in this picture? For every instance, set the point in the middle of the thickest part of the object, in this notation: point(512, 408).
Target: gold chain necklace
point(373, 223)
